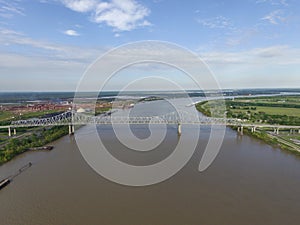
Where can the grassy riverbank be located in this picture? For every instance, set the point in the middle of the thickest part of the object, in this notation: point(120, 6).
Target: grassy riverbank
point(27, 137)
point(264, 136)
point(282, 110)
point(38, 138)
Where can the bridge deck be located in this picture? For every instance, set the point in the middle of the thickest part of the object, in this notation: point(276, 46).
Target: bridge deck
point(72, 118)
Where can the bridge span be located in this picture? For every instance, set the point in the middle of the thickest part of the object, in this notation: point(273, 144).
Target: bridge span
point(71, 118)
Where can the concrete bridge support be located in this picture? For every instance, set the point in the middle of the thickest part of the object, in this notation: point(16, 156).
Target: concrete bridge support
point(71, 129)
point(241, 130)
point(276, 130)
point(9, 132)
point(253, 129)
point(15, 131)
point(179, 129)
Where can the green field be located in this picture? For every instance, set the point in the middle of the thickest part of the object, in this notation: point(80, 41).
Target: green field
point(284, 110)
point(274, 110)
point(274, 99)
point(4, 115)
point(290, 136)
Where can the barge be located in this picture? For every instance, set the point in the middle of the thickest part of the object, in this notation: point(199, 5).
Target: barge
point(4, 183)
point(49, 147)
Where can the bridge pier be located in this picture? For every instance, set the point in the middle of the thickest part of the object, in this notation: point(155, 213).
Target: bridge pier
point(241, 130)
point(179, 129)
point(15, 131)
point(276, 130)
point(71, 129)
point(9, 132)
point(253, 129)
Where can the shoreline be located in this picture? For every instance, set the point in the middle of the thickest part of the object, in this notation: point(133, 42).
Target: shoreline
point(260, 135)
point(265, 137)
point(37, 143)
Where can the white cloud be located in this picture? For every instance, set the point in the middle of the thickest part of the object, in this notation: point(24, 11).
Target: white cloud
point(216, 22)
point(71, 32)
point(241, 36)
point(274, 2)
point(274, 66)
point(48, 50)
point(80, 5)
point(122, 15)
point(51, 66)
point(10, 8)
point(276, 55)
point(275, 17)
point(59, 67)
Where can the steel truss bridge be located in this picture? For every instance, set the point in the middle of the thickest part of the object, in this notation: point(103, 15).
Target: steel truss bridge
point(71, 118)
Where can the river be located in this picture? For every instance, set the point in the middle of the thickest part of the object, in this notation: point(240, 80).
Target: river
point(248, 183)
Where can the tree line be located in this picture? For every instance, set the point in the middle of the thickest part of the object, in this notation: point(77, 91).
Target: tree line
point(17, 146)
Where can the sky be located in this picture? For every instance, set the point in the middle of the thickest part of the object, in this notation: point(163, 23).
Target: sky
point(47, 45)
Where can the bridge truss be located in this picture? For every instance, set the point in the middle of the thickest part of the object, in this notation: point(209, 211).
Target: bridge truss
point(74, 118)
point(178, 117)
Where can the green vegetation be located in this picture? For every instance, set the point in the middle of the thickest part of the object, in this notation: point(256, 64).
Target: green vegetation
point(150, 98)
point(17, 146)
point(271, 110)
point(99, 111)
point(274, 99)
point(262, 135)
point(282, 110)
point(261, 111)
point(2, 140)
point(285, 111)
point(37, 114)
point(218, 107)
point(30, 137)
point(204, 108)
point(5, 115)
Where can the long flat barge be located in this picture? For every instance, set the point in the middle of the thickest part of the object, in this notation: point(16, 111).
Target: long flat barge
point(7, 180)
point(49, 147)
point(4, 183)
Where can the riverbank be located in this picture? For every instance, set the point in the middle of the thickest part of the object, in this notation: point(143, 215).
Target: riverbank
point(271, 110)
point(268, 139)
point(32, 138)
point(17, 146)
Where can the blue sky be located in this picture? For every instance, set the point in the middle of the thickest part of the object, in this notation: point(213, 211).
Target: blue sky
point(48, 44)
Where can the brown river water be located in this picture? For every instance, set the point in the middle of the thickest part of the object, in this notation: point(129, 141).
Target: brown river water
point(248, 183)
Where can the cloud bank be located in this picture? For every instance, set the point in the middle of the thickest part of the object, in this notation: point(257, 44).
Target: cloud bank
point(121, 15)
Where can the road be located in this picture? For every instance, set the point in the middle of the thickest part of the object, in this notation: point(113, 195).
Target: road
point(285, 142)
